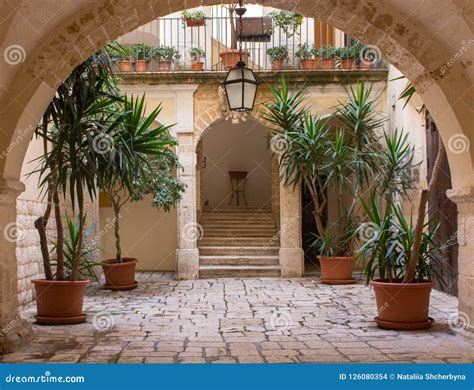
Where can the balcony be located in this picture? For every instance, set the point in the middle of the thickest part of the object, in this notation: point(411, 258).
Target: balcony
point(204, 49)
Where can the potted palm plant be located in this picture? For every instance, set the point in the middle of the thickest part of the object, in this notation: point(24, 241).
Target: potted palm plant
point(140, 163)
point(278, 55)
point(121, 55)
point(326, 53)
point(166, 56)
point(67, 169)
point(197, 54)
point(194, 18)
point(306, 55)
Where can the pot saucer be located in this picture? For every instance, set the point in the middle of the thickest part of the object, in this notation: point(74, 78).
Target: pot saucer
point(61, 320)
point(337, 281)
point(121, 288)
point(404, 325)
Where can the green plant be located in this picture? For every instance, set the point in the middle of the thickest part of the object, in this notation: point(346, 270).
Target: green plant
point(288, 21)
point(344, 52)
point(116, 51)
point(305, 52)
point(166, 53)
point(196, 15)
point(197, 54)
point(326, 52)
point(71, 249)
point(278, 53)
point(142, 52)
point(140, 161)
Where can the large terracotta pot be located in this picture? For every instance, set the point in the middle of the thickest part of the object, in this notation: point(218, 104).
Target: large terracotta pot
point(120, 276)
point(336, 270)
point(124, 65)
point(60, 302)
point(277, 65)
point(327, 64)
point(230, 57)
point(402, 306)
point(164, 66)
point(197, 66)
point(347, 63)
point(141, 66)
point(195, 23)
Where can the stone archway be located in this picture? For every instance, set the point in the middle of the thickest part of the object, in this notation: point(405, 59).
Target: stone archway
point(427, 44)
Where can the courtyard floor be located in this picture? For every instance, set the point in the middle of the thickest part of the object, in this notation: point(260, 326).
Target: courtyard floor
point(240, 320)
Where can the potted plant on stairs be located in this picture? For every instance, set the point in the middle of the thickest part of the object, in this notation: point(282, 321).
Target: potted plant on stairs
point(197, 54)
point(67, 170)
point(140, 163)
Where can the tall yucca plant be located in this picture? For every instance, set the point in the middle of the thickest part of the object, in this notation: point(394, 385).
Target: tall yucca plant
point(139, 161)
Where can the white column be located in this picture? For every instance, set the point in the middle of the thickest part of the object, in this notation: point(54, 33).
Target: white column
point(14, 331)
point(291, 252)
point(464, 199)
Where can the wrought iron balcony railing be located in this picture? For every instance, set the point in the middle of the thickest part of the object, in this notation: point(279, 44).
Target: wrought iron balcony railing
point(171, 45)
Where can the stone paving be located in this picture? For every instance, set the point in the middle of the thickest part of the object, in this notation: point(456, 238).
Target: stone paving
point(268, 320)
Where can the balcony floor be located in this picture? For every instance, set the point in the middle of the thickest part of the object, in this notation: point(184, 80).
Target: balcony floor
point(233, 320)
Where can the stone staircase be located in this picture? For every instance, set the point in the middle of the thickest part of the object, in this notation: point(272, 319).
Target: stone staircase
point(238, 242)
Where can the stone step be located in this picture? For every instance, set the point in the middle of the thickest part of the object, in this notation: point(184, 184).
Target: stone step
point(236, 216)
point(238, 250)
point(234, 209)
point(229, 271)
point(234, 224)
point(237, 241)
point(208, 233)
point(239, 260)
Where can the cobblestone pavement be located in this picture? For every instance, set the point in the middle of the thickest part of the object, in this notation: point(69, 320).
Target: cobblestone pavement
point(240, 320)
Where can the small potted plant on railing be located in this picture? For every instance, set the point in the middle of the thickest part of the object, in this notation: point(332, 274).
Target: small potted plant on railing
point(166, 56)
point(326, 53)
point(141, 162)
point(278, 55)
point(197, 54)
point(289, 22)
point(305, 54)
point(142, 54)
point(345, 57)
point(194, 18)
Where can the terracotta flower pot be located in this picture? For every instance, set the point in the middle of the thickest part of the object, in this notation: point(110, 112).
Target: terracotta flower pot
point(347, 63)
point(308, 64)
point(198, 66)
point(120, 276)
point(327, 64)
point(277, 65)
point(125, 66)
point(195, 23)
point(364, 65)
point(60, 302)
point(402, 306)
point(230, 58)
point(141, 66)
point(336, 270)
point(164, 66)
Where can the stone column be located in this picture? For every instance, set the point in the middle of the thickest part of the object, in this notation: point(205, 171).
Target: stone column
point(464, 199)
point(14, 331)
point(291, 252)
point(189, 231)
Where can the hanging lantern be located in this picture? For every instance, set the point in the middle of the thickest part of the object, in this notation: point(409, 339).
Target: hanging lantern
point(240, 84)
